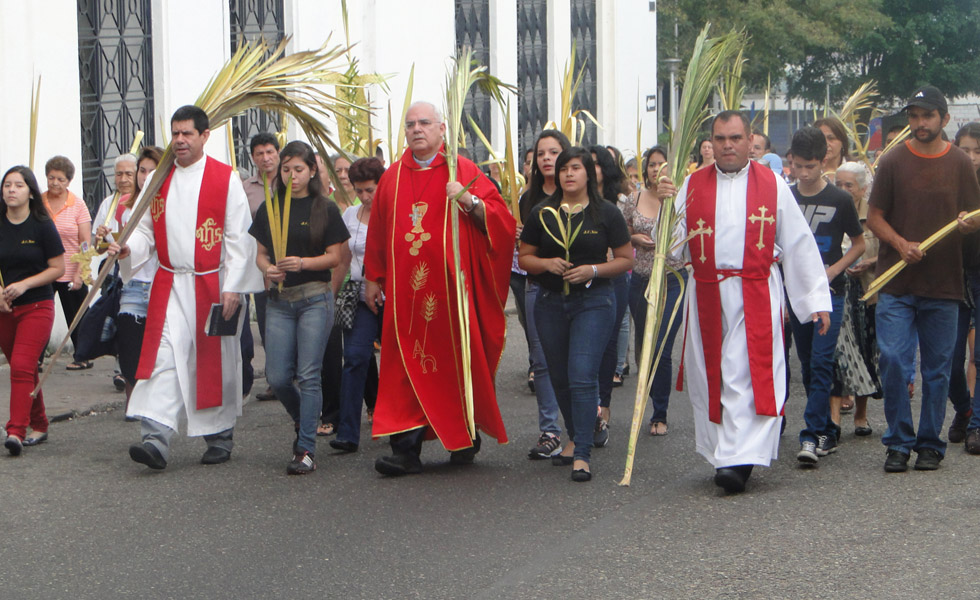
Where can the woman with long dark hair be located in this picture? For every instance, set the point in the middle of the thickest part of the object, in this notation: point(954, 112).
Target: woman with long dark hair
point(574, 324)
point(837, 151)
point(31, 259)
point(541, 185)
point(300, 315)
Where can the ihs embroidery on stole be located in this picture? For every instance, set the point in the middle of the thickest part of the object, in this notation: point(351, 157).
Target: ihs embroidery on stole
point(209, 235)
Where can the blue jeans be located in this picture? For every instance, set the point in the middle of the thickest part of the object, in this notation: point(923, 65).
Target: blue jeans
point(963, 399)
point(543, 391)
point(898, 320)
point(574, 330)
point(663, 377)
point(358, 350)
point(816, 354)
point(607, 367)
point(135, 298)
point(295, 338)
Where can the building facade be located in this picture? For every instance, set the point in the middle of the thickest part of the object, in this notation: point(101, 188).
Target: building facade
point(111, 67)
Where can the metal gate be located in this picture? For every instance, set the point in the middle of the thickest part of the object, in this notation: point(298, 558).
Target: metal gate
point(532, 70)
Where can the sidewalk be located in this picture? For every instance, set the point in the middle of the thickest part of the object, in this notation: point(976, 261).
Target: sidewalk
point(70, 394)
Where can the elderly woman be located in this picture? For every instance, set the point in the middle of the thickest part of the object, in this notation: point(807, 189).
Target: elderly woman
point(73, 221)
point(856, 369)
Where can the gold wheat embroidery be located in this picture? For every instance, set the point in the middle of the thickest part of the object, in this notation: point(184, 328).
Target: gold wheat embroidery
point(420, 276)
point(429, 308)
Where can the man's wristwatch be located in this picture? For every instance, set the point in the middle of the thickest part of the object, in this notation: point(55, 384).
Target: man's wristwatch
point(476, 202)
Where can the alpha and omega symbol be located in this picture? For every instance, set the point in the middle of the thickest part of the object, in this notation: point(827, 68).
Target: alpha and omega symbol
point(417, 236)
point(209, 235)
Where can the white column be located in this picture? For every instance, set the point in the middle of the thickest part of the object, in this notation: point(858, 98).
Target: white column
point(627, 52)
point(559, 51)
point(187, 52)
point(40, 38)
point(503, 64)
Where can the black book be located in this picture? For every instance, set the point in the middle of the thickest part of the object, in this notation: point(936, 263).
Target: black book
point(218, 325)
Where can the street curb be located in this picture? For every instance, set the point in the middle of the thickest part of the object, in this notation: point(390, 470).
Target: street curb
point(92, 410)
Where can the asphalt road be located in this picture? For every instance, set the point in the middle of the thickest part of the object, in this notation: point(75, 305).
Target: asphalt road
point(80, 520)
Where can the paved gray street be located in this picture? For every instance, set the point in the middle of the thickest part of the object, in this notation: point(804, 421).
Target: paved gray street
point(80, 520)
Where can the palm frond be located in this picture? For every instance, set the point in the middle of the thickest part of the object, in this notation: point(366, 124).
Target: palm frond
point(35, 113)
point(571, 121)
point(732, 89)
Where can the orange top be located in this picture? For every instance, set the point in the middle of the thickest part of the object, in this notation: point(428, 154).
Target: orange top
point(69, 220)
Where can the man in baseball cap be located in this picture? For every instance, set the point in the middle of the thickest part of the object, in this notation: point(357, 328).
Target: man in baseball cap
point(930, 98)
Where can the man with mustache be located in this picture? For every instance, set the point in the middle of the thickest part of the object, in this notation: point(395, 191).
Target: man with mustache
point(919, 187)
point(743, 221)
point(196, 227)
point(408, 264)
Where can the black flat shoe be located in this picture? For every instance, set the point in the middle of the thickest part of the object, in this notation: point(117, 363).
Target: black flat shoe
point(345, 447)
point(14, 445)
point(730, 480)
point(863, 430)
point(215, 456)
point(36, 438)
point(147, 454)
point(561, 461)
point(581, 475)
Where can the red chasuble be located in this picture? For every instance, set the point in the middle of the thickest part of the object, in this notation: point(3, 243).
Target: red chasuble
point(409, 253)
point(757, 258)
point(211, 206)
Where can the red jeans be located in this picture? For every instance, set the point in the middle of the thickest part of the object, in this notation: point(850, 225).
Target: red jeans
point(24, 333)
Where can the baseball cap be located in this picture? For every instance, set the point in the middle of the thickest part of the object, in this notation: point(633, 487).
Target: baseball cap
point(929, 98)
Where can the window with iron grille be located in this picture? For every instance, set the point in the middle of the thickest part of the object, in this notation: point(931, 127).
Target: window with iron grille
point(473, 30)
point(251, 20)
point(115, 75)
point(584, 38)
point(532, 70)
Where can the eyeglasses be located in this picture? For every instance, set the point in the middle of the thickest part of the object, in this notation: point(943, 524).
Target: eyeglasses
point(424, 123)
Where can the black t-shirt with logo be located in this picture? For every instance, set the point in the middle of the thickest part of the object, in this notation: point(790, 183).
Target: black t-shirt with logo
point(591, 246)
point(298, 241)
point(831, 215)
point(24, 252)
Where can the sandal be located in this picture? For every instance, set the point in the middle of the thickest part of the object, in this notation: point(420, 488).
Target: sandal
point(617, 380)
point(658, 428)
point(79, 365)
point(325, 429)
point(846, 407)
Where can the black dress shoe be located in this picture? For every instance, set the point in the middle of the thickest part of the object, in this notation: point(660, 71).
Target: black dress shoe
point(466, 455)
point(581, 475)
point(398, 465)
point(730, 479)
point(346, 447)
point(147, 454)
point(215, 456)
point(896, 461)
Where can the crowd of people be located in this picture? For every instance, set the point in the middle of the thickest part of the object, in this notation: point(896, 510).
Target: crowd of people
point(341, 268)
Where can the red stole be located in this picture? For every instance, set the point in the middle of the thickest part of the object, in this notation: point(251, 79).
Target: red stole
point(757, 258)
point(211, 205)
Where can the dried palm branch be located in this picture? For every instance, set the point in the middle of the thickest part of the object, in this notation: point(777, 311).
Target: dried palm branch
point(254, 77)
point(897, 268)
point(464, 74)
point(35, 112)
point(571, 121)
point(765, 111)
point(732, 88)
point(511, 183)
point(898, 139)
point(863, 99)
point(709, 58)
point(354, 132)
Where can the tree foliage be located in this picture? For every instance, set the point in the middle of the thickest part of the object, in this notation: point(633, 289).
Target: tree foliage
point(808, 44)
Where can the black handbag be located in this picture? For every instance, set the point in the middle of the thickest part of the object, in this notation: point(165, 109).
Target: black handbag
point(97, 329)
point(345, 306)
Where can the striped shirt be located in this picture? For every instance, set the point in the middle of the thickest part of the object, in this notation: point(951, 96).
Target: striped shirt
point(72, 218)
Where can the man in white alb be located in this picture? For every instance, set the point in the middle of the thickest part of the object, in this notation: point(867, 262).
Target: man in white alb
point(197, 228)
point(746, 221)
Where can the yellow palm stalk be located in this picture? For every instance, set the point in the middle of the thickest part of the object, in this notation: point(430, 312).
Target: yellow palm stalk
point(709, 58)
point(765, 111)
point(566, 236)
point(465, 73)
point(898, 139)
point(256, 76)
point(35, 112)
point(570, 123)
point(863, 99)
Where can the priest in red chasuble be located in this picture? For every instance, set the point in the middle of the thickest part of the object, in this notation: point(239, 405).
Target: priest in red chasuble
point(197, 227)
point(746, 223)
point(410, 271)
